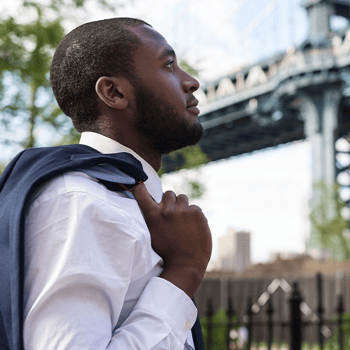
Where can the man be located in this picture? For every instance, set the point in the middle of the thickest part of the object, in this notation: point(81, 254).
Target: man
point(103, 270)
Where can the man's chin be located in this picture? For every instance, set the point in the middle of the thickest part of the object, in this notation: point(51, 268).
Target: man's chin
point(178, 144)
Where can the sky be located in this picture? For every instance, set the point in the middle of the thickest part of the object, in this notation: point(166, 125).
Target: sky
point(266, 192)
point(218, 37)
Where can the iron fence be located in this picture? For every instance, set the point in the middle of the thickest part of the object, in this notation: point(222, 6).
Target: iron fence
point(303, 329)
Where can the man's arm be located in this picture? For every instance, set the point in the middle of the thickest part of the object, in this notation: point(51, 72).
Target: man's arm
point(86, 267)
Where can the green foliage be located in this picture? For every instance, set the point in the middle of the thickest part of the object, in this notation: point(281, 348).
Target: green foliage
point(193, 157)
point(184, 65)
point(329, 227)
point(219, 330)
point(195, 189)
point(26, 52)
point(2, 167)
point(72, 137)
point(333, 342)
point(26, 49)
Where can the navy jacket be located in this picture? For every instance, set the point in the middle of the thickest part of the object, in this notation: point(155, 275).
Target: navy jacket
point(18, 182)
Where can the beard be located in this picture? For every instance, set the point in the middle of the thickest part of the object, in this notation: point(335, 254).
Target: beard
point(164, 127)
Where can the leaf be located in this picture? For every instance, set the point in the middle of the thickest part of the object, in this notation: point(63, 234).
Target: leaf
point(26, 51)
point(328, 226)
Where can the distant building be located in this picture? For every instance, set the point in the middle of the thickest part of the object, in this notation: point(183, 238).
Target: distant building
point(284, 256)
point(234, 251)
point(319, 254)
point(299, 266)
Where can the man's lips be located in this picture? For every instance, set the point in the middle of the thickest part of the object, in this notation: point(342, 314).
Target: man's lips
point(192, 106)
point(193, 109)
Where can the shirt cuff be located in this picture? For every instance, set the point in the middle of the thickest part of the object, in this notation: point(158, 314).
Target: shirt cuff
point(163, 299)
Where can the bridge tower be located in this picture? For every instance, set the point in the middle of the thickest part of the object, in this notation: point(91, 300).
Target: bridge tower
point(320, 12)
point(323, 106)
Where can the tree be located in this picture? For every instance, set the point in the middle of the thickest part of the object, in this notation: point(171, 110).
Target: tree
point(26, 54)
point(184, 65)
point(190, 158)
point(26, 50)
point(328, 225)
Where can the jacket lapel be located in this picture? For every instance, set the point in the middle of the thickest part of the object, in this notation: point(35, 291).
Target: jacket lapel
point(197, 336)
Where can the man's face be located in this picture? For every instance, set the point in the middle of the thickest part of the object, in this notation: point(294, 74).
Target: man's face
point(166, 112)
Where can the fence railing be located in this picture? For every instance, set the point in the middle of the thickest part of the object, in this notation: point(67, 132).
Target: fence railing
point(225, 330)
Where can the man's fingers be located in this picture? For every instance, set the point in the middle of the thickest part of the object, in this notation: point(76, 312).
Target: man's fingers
point(182, 199)
point(196, 207)
point(143, 198)
point(169, 198)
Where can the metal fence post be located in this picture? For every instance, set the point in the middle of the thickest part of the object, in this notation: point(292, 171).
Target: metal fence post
point(340, 311)
point(250, 323)
point(320, 310)
point(210, 312)
point(295, 318)
point(270, 312)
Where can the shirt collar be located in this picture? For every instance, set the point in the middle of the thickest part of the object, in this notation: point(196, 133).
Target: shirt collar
point(105, 145)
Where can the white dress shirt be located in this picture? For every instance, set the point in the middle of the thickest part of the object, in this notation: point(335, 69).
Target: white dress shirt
point(91, 275)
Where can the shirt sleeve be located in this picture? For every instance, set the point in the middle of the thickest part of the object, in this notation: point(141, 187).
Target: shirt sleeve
point(154, 312)
point(81, 255)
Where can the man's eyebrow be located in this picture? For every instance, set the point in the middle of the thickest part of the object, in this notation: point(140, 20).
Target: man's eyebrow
point(167, 52)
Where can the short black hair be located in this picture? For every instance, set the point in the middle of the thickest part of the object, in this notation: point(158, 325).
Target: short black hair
point(90, 51)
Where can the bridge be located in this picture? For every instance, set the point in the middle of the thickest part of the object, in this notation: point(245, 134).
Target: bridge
point(303, 93)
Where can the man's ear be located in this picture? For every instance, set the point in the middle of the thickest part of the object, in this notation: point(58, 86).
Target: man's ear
point(113, 91)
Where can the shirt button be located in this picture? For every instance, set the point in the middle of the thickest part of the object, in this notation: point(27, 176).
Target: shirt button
point(188, 325)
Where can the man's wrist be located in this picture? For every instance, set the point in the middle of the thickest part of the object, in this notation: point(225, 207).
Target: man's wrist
point(186, 278)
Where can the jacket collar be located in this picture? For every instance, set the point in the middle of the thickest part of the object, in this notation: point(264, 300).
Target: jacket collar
point(106, 145)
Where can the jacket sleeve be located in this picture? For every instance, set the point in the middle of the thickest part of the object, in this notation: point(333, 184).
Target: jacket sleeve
point(91, 276)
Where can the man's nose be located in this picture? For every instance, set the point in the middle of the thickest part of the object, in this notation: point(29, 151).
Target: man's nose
point(190, 84)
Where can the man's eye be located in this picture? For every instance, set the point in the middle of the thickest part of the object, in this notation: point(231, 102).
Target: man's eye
point(169, 64)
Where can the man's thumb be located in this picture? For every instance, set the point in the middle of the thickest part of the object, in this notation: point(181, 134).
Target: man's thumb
point(143, 198)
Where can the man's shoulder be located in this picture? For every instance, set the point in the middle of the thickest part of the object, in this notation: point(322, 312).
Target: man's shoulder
point(74, 184)
point(34, 161)
point(79, 191)
point(43, 155)
point(35, 166)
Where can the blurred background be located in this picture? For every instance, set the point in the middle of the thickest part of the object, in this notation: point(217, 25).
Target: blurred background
point(271, 173)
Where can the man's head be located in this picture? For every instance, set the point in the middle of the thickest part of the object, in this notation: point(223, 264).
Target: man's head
point(93, 50)
point(166, 111)
point(133, 90)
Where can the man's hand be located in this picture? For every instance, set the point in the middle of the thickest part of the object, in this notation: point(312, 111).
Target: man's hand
point(179, 234)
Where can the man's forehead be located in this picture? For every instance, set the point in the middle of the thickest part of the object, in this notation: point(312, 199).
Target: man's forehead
point(153, 40)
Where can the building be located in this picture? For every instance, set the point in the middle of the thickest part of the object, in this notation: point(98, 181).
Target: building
point(234, 251)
